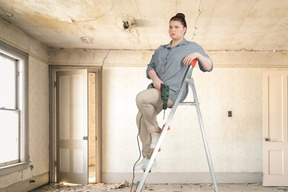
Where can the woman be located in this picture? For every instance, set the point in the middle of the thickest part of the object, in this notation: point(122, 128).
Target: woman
point(167, 66)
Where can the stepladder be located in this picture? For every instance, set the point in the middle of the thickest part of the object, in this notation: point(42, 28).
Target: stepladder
point(187, 81)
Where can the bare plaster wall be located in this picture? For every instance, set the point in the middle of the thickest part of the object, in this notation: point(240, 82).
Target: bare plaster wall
point(38, 111)
point(39, 116)
point(234, 85)
point(235, 142)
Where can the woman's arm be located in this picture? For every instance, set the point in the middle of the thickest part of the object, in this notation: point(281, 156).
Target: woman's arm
point(204, 61)
point(156, 80)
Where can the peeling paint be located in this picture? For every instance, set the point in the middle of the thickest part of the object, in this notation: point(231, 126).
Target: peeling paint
point(215, 25)
point(89, 27)
point(134, 40)
point(135, 32)
point(89, 40)
point(5, 13)
point(31, 167)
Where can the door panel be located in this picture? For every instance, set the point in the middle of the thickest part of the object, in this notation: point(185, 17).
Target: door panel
point(71, 122)
point(275, 159)
point(276, 107)
point(275, 145)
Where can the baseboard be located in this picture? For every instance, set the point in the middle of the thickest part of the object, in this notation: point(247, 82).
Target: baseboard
point(29, 184)
point(177, 178)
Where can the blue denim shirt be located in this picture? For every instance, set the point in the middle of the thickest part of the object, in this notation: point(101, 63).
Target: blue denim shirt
point(166, 62)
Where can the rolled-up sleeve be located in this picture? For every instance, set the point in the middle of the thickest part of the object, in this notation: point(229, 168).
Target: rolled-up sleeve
point(150, 66)
point(202, 52)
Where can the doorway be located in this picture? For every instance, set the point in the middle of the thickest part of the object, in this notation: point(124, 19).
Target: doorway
point(275, 128)
point(75, 119)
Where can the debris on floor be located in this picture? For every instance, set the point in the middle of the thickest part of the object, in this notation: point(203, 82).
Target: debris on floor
point(283, 188)
point(122, 185)
point(125, 187)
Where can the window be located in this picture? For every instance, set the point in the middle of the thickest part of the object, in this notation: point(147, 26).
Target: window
point(13, 109)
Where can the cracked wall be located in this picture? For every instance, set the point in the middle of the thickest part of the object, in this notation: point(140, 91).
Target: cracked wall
point(38, 170)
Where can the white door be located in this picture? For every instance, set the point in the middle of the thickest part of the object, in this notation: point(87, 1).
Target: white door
point(71, 126)
point(275, 145)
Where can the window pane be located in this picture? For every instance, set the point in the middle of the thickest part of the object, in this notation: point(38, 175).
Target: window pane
point(7, 83)
point(9, 137)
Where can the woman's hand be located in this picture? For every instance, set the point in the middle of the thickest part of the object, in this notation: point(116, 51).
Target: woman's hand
point(189, 58)
point(157, 83)
point(156, 80)
point(205, 62)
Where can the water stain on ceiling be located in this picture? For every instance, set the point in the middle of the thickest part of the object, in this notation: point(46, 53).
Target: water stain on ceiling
point(139, 24)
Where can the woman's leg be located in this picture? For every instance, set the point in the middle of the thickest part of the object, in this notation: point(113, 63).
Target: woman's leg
point(149, 104)
point(145, 136)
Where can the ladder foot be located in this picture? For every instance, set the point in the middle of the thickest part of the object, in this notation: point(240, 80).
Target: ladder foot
point(137, 184)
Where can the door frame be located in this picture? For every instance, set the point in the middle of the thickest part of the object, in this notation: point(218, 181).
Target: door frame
point(52, 119)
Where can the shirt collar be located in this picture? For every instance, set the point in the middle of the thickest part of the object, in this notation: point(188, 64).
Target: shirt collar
point(183, 42)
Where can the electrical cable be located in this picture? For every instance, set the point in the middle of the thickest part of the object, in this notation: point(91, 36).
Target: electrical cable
point(140, 154)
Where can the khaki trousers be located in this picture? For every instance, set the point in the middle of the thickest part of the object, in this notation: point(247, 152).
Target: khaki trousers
point(150, 104)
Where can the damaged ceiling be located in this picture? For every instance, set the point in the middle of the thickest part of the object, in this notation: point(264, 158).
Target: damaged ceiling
point(143, 24)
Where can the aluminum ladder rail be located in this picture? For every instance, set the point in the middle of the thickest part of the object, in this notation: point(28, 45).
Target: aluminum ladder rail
point(188, 80)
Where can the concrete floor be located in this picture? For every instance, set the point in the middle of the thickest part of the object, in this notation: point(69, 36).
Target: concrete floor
point(161, 188)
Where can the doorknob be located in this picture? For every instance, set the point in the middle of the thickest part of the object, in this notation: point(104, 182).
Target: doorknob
point(267, 139)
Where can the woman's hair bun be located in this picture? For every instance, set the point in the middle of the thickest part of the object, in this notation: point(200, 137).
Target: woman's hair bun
point(180, 15)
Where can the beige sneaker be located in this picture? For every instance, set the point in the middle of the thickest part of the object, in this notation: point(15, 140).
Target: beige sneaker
point(154, 139)
point(143, 164)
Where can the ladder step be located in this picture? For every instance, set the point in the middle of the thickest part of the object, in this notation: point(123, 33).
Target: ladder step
point(158, 150)
point(167, 129)
point(187, 103)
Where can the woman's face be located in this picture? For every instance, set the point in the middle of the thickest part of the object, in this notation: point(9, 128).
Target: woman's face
point(176, 30)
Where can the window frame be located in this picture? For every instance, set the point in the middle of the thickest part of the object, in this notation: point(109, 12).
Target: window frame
point(22, 105)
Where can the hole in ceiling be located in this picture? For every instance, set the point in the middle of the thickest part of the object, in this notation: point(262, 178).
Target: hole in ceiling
point(125, 24)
